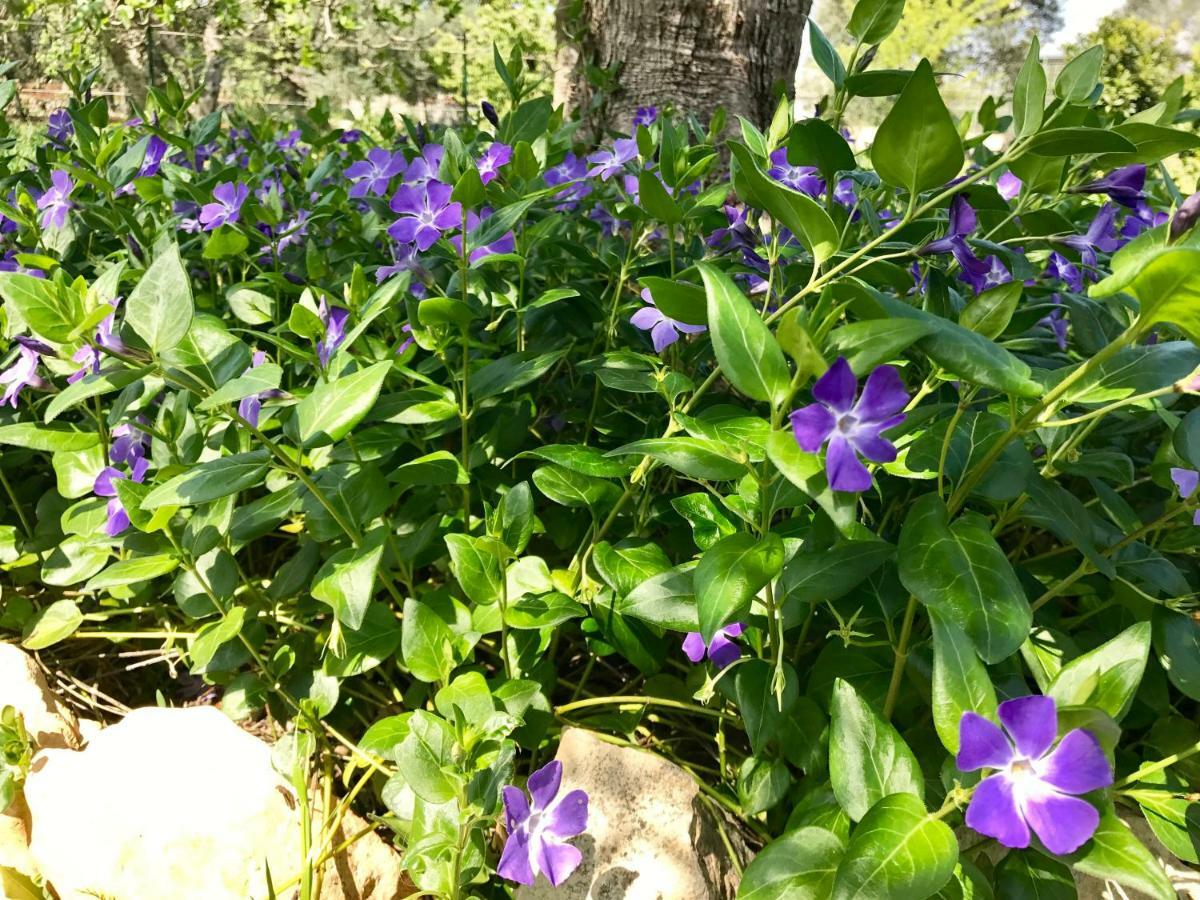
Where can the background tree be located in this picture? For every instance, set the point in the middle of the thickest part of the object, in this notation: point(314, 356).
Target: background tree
point(1140, 60)
point(692, 54)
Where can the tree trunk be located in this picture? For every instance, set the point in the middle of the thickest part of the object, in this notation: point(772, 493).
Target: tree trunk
point(214, 64)
point(694, 55)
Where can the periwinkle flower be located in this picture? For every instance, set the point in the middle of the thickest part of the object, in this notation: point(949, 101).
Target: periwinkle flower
point(116, 518)
point(350, 136)
point(334, 319)
point(489, 113)
point(1057, 324)
point(849, 426)
point(23, 372)
point(721, 650)
point(372, 175)
point(59, 128)
point(799, 178)
point(1124, 185)
point(294, 230)
point(425, 212)
point(1035, 787)
point(571, 169)
point(664, 331)
point(1185, 217)
point(645, 116)
point(1009, 186)
point(1099, 236)
point(607, 163)
point(404, 259)
point(226, 207)
point(1186, 482)
point(738, 234)
point(55, 202)
point(538, 828)
point(89, 355)
point(496, 157)
point(129, 444)
point(250, 407)
point(1062, 269)
point(156, 149)
point(289, 140)
point(425, 167)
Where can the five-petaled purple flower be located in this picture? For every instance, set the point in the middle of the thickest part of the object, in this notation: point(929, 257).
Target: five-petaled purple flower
point(571, 169)
point(538, 830)
point(56, 200)
point(1035, 786)
point(334, 319)
point(664, 331)
point(425, 167)
point(851, 427)
point(128, 448)
point(226, 207)
point(645, 115)
point(1009, 186)
point(425, 212)
point(371, 175)
point(23, 373)
point(607, 163)
point(1187, 480)
point(1099, 236)
point(721, 650)
point(799, 178)
point(1062, 269)
point(496, 157)
point(1124, 185)
point(59, 128)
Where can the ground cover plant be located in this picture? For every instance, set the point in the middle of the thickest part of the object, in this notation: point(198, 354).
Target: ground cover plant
point(858, 478)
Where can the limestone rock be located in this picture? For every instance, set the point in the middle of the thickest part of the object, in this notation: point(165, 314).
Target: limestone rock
point(48, 721)
point(180, 803)
point(650, 836)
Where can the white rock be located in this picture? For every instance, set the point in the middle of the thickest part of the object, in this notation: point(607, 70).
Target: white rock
point(649, 835)
point(176, 803)
point(48, 721)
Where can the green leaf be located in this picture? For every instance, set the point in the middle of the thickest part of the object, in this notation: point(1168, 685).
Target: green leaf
point(821, 576)
point(898, 851)
point(681, 300)
point(210, 480)
point(544, 611)
point(825, 55)
point(1168, 289)
point(477, 564)
point(346, 582)
point(92, 386)
point(425, 755)
point(511, 372)
point(1107, 677)
point(226, 241)
point(1177, 640)
point(1115, 853)
point(426, 642)
point(798, 212)
point(815, 142)
point(1057, 142)
point(572, 489)
point(917, 146)
point(764, 713)
point(132, 570)
point(255, 381)
point(667, 600)
point(958, 569)
point(626, 565)
point(333, 408)
point(748, 353)
point(960, 681)
point(654, 199)
point(1079, 77)
point(807, 472)
point(160, 307)
point(211, 637)
point(798, 865)
point(868, 760)
point(709, 524)
point(1029, 92)
point(1028, 875)
point(1152, 143)
point(49, 309)
point(438, 468)
point(51, 440)
point(54, 623)
point(694, 457)
point(991, 311)
point(867, 344)
point(730, 574)
point(580, 458)
point(873, 20)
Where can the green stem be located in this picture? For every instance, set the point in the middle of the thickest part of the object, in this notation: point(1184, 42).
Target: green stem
point(910, 613)
point(1151, 768)
point(643, 701)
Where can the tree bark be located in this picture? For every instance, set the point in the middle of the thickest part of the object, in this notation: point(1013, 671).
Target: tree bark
point(694, 55)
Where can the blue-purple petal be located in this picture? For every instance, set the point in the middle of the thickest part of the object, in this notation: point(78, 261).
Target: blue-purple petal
point(557, 861)
point(1077, 765)
point(1062, 823)
point(812, 426)
point(543, 785)
point(981, 744)
point(836, 388)
point(993, 812)
point(843, 468)
point(1031, 722)
point(569, 816)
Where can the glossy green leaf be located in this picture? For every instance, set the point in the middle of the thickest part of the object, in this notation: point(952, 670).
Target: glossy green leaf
point(346, 582)
point(160, 307)
point(825, 55)
point(50, 310)
point(1056, 142)
point(52, 624)
point(667, 600)
point(1115, 853)
point(210, 480)
point(333, 408)
point(917, 146)
point(798, 865)
point(873, 20)
point(477, 564)
point(730, 574)
point(694, 457)
point(1078, 78)
point(132, 570)
point(1027, 875)
point(1107, 677)
point(960, 681)
point(1029, 92)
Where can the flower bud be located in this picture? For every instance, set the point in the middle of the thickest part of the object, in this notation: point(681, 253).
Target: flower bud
point(489, 113)
point(1185, 217)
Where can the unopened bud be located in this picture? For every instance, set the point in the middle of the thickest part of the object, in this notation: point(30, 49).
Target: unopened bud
point(1185, 217)
point(489, 113)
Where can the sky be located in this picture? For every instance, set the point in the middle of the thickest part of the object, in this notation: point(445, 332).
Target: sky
point(1081, 16)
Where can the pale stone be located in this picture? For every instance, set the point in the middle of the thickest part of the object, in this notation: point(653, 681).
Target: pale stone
point(180, 803)
point(48, 721)
point(650, 836)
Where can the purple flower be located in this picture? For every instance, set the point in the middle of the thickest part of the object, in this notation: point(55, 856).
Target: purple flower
point(1143, 216)
point(721, 649)
point(538, 830)
point(844, 193)
point(1099, 236)
point(227, 206)
point(1124, 185)
point(350, 136)
point(664, 331)
point(489, 113)
point(56, 200)
point(105, 486)
point(289, 140)
point(1034, 787)
point(988, 273)
point(571, 169)
point(129, 444)
point(404, 258)
point(334, 319)
point(1185, 217)
point(1057, 324)
point(645, 116)
point(739, 233)
point(23, 373)
point(496, 157)
point(1009, 186)
point(294, 230)
point(156, 149)
point(406, 328)
point(59, 128)
point(250, 407)
point(1186, 481)
point(799, 178)
point(89, 356)
point(425, 167)
point(607, 163)
point(371, 175)
point(425, 212)
point(851, 427)
point(1061, 268)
